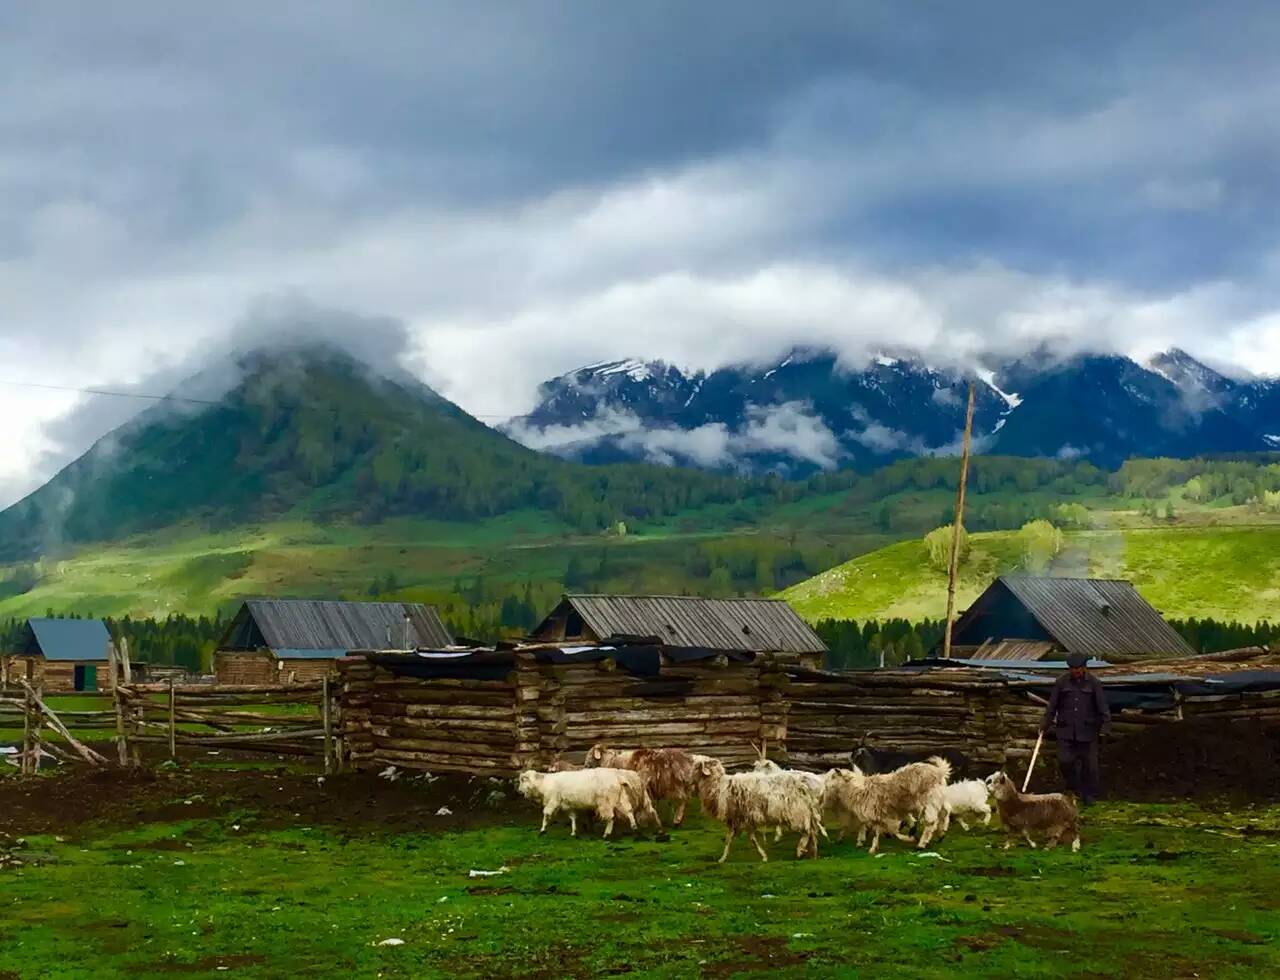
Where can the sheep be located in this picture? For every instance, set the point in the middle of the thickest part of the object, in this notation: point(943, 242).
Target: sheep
point(965, 799)
point(1052, 814)
point(668, 773)
point(605, 792)
point(753, 800)
point(882, 803)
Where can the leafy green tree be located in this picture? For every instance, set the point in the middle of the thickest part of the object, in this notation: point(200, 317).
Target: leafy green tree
point(1040, 543)
point(938, 544)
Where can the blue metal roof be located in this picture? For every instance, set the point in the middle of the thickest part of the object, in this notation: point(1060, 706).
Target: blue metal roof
point(69, 639)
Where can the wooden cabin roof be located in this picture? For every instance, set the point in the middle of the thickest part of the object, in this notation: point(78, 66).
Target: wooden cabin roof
point(1096, 617)
point(751, 625)
point(309, 628)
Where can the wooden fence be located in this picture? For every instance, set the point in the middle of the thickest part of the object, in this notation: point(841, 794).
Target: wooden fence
point(172, 715)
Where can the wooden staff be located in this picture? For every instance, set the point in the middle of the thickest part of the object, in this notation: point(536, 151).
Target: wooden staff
point(328, 725)
point(954, 563)
point(1035, 754)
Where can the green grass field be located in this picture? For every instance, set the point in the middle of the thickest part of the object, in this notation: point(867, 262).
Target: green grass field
point(1227, 572)
point(206, 888)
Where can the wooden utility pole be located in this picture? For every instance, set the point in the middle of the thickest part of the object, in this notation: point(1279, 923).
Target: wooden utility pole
point(959, 526)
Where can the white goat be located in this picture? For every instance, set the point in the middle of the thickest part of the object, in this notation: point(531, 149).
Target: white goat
point(817, 785)
point(881, 804)
point(752, 801)
point(606, 792)
point(966, 799)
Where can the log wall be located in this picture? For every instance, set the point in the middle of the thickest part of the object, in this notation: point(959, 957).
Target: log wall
point(244, 668)
point(541, 712)
point(446, 724)
point(911, 712)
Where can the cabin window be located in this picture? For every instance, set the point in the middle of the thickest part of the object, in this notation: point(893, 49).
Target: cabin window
point(572, 625)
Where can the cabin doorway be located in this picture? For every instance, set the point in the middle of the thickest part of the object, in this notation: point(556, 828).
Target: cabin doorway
point(86, 677)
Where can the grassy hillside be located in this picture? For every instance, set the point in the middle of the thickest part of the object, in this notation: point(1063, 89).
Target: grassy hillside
point(1214, 555)
point(1224, 571)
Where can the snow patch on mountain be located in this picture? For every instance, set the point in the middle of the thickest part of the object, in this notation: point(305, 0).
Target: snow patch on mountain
point(988, 378)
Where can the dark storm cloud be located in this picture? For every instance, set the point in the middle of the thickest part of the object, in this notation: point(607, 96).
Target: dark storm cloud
point(557, 181)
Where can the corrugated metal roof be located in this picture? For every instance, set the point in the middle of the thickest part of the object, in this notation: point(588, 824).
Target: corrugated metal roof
point(753, 625)
point(69, 639)
point(296, 625)
point(1096, 616)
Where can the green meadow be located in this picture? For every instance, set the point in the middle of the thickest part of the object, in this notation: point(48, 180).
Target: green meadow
point(204, 885)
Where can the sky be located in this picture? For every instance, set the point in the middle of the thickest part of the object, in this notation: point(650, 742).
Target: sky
point(488, 195)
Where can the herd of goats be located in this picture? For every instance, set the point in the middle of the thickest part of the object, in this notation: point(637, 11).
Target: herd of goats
point(915, 796)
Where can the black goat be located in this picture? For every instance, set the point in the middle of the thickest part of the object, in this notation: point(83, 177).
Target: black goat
point(872, 760)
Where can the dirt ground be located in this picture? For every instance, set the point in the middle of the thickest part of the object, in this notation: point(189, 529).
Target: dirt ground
point(279, 796)
point(1195, 760)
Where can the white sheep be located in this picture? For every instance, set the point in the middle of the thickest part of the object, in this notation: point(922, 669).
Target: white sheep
point(752, 801)
point(967, 798)
point(606, 792)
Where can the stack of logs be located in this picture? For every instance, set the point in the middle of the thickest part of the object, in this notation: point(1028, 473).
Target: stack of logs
point(541, 712)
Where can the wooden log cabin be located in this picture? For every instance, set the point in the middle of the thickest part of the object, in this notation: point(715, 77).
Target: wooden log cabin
point(61, 655)
point(273, 641)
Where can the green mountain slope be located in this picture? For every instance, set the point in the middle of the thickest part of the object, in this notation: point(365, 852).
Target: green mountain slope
point(1226, 571)
point(312, 433)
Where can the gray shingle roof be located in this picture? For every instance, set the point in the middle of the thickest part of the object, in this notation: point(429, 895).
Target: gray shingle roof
point(754, 625)
point(68, 639)
point(296, 625)
point(1096, 616)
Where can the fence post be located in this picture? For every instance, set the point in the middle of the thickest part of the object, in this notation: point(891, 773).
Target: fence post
point(37, 719)
point(326, 716)
point(173, 729)
point(26, 734)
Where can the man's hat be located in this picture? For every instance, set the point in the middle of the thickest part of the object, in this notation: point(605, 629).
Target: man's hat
point(1076, 660)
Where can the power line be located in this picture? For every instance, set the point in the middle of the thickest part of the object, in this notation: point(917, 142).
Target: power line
point(113, 394)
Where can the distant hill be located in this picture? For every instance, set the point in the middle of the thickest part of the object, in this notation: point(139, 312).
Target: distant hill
point(311, 432)
point(1225, 572)
point(809, 411)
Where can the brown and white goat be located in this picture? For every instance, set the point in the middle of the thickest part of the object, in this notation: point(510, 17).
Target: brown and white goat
point(883, 803)
point(669, 774)
point(753, 801)
point(1052, 815)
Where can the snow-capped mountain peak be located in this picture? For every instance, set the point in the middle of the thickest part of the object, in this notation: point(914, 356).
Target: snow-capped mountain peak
point(809, 410)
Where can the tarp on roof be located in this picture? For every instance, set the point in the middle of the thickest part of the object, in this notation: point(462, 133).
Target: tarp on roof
point(747, 625)
point(67, 639)
point(644, 660)
point(1097, 617)
point(297, 625)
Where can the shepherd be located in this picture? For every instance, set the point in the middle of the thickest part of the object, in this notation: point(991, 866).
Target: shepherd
point(1079, 717)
